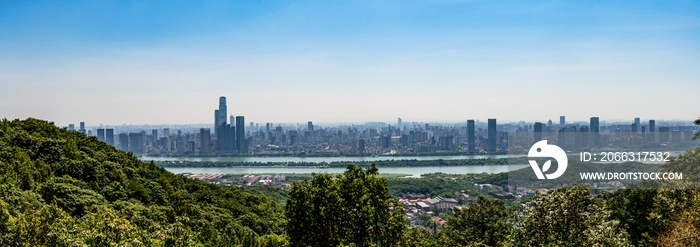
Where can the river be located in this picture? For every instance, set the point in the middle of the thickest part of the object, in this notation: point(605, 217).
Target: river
point(415, 171)
point(328, 159)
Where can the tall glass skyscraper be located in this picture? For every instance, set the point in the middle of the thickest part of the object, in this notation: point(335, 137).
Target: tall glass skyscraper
point(538, 131)
point(220, 114)
point(470, 136)
point(241, 144)
point(594, 132)
point(492, 135)
point(109, 136)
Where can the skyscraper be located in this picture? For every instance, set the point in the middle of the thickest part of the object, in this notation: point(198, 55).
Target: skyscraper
point(241, 144)
point(136, 142)
point(562, 120)
point(124, 142)
point(82, 127)
point(205, 140)
point(226, 138)
point(651, 136)
point(166, 132)
point(311, 126)
point(470, 136)
point(109, 136)
point(664, 134)
point(638, 123)
point(399, 124)
point(361, 145)
point(71, 127)
point(538, 131)
point(594, 132)
point(221, 113)
point(492, 134)
point(101, 134)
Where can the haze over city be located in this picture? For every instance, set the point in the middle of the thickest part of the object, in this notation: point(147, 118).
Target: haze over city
point(153, 63)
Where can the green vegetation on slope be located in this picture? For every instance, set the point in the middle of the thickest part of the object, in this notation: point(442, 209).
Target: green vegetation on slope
point(62, 188)
point(59, 187)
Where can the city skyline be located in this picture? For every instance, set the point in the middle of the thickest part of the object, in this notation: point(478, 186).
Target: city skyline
point(146, 63)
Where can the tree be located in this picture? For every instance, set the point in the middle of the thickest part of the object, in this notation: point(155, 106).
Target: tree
point(350, 208)
point(570, 217)
point(697, 135)
point(483, 222)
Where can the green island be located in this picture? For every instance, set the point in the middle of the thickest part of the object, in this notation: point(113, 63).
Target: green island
point(63, 188)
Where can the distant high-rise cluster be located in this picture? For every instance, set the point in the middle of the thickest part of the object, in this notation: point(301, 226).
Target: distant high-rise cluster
point(233, 137)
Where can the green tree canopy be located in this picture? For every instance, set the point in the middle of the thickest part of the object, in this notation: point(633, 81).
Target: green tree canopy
point(350, 208)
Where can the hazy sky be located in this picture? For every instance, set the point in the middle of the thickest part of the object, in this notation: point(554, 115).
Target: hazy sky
point(151, 62)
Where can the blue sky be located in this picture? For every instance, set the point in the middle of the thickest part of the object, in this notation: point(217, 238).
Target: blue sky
point(159, 62)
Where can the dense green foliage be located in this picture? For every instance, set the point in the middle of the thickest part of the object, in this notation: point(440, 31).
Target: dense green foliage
point(350, 208)
point(278, 196)
point(63, 188)
point(434, 185)
point(484, 222)
point(59, 187)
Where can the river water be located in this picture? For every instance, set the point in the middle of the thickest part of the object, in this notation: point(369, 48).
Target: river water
point(328, 159)
point(415, 171)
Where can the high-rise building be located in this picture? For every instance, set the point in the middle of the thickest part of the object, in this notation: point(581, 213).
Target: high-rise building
point(226, 138)
point(446, 142)
point(101, 134)
point(594, 132)
point(470, 136)
point(651, 135)
point(676, 136)
point(124, 142)
point(361, 145)
point(492, 135)
point(166, 132)
point(385, 141)
point(136, 142)
point(634, 127)
point(204, 140)
point(638, 123)
point(664, 134)
point(221, 113)
point(71, 127)
point(567, 138)
point(82, 127)
point(562, 120)
point(241, 144)
point(538, 131)
point(154, 132)
point(399, 124)
point(583, 137)
point(311, 126)
point(109, 136)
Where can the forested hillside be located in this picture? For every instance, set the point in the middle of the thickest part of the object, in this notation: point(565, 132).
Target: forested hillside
point(62, 188)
